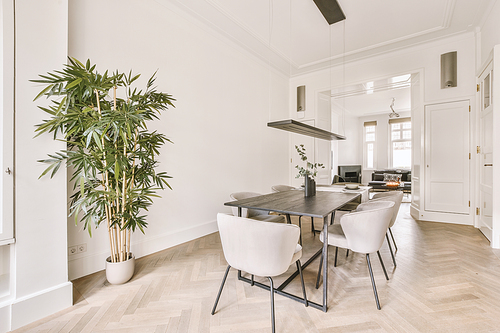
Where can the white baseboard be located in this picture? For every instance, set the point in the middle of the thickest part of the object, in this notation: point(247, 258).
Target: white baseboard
point(94, 262)
point(5, 319)
point(422, 215)
point(39, 305)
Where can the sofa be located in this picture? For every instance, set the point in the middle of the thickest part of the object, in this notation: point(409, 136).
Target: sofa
point(381, 177)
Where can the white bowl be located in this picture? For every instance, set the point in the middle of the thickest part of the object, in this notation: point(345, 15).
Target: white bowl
point(351, 186)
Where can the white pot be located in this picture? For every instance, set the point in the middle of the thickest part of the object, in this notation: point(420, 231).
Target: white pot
point(120, 272)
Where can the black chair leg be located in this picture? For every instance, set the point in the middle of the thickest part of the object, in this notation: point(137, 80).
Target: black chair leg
point(336, 252)
point(390, 248)
point(373, 280)
point(299, 267)
point(271, 289)
point(319, 271)
point(300, 228)
point(347, 253)
point(252, 282)
point(383, 266)
point(220, 289)
point(392, 236)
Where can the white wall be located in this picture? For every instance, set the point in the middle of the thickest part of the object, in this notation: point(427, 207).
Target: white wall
point(225, 98)
point(39, 276)
point(350, 152)
point(489, 36)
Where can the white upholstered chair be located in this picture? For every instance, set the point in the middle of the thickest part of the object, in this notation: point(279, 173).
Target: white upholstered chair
point(362, 231)
point(255, 214)
point(396, 197)
point(282, 188)
point(259, 248)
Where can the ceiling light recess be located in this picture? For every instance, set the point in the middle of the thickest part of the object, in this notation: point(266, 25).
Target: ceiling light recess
point(291, 125)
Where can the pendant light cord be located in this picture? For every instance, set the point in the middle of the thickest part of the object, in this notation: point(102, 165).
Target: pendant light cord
point(271, 5)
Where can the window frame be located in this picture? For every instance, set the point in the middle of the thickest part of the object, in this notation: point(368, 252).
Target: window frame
point(367, 125)
point(401, 122)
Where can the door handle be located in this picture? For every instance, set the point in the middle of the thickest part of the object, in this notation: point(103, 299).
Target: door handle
point(489, 164)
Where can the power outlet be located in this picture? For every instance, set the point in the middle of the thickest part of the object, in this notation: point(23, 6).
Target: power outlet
point(82, 248)
point(72, 250)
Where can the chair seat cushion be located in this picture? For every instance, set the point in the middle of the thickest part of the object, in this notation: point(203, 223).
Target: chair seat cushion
point(269, 218)
point(336, 236)
point(297, 254)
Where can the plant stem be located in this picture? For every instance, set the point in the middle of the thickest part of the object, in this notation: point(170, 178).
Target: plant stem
point(106, 180)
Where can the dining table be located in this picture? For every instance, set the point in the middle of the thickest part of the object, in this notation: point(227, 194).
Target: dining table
point(322, 205)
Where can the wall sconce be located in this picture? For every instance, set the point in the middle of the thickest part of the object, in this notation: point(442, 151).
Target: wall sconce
point(301, 98)
point(449, 70)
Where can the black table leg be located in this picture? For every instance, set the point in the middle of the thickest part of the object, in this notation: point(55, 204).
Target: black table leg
point(289, 221)
point(325, 262)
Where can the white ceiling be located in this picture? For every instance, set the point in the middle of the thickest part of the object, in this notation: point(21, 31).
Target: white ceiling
point(294, 37)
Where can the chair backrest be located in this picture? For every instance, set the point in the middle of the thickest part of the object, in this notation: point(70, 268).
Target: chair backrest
point(337, 179)
point(256, 247)
point(394, 196)
point(282, 188)
point(244, 211)
point(365, 228)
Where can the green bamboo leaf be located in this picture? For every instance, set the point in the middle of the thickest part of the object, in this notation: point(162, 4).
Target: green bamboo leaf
point(97, 140)
point(73, 83)
point(43, 92)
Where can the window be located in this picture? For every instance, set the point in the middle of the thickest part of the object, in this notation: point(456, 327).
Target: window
point(369, 137)
point(400, 143)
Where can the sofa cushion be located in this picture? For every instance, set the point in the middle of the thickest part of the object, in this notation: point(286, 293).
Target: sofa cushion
point(378, 177)
point(405, 174)
point(392, 177)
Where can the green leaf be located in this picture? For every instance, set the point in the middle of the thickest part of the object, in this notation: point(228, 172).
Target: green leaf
point(97, 140)
point(73, 83)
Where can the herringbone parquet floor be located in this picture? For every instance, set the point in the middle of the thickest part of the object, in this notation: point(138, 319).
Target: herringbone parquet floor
point(447, 280)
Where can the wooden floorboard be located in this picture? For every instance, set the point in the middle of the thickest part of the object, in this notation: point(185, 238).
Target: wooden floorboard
point(447, 279)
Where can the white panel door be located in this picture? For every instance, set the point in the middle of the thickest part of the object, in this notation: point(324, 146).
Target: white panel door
point(447, 157)
point(485, 151)
point(324, 147)
point(6, 122)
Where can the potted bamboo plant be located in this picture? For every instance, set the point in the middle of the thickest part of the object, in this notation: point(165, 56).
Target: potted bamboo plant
point(110, 151)
point(309, 172)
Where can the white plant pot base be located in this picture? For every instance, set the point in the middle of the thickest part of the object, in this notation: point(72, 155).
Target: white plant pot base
point(120, 272)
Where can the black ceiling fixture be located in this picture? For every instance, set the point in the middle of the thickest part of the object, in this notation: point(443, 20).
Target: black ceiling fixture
point(291, 125)
point(331, 10)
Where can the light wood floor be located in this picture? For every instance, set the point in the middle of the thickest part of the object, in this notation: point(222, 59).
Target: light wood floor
point(447, 280)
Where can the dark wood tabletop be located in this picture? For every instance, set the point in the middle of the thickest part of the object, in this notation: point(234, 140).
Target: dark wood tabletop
point(294, 203)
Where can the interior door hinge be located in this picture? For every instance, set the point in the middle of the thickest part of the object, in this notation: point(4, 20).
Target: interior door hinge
point(469, 108)
point(478, 88)
point(478, 149)
point(469, 156)
point(469, 203)
point(477, 211)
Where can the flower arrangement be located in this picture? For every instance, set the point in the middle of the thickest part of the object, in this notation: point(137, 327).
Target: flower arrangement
point(311, 169)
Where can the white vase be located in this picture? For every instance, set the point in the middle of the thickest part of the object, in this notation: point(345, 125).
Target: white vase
point(120, 272)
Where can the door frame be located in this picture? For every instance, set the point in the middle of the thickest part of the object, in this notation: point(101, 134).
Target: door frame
point(487, 68)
